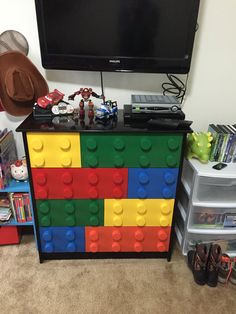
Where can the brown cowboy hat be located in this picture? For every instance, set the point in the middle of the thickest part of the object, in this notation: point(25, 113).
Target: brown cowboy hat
point(21, 84)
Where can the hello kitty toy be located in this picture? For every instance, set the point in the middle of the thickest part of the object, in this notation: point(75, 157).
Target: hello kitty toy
point(19, 170)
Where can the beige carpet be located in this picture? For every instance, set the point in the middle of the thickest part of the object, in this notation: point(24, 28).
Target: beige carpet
point(103, 286)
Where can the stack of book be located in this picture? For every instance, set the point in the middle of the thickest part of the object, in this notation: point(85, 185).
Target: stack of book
point(8, 155)
point(5, 208)
point(223, 147)
point(20, 204)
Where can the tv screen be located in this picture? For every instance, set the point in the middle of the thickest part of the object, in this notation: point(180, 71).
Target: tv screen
point(153, 36)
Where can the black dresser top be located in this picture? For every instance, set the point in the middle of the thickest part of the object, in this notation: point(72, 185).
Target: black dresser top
point(72, 123)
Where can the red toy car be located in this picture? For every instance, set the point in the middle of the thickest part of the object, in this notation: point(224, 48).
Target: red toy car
point(52, 98)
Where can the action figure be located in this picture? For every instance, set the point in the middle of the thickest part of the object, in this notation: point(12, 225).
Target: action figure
point(86, 93)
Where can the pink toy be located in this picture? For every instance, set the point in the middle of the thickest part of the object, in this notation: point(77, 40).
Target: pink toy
point(19, 170)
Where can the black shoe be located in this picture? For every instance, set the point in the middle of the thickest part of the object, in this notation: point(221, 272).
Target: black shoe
point(197, 262)
point(213, 262)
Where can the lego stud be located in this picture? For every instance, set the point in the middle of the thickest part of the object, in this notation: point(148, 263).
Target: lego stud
point(70, 235)
point(117, 178)
point(93, 193)
point(93, 208)
point(91, 144)
point(71, 247)
point(171, 161)
point(142, 193)
point(141, 208)
point(164, 221)
point(70, 221)
point(41, 193)
point(94, 221)
point(69, 208)
point(39, 162)
point(44, 208)
point(165, 208)
point(144, 161)
point(145, 144)
point(48, 248)
point(93, 247)
point(138, 247)
point(139, 235)
point(167, 193)
point(37, 145)
point(116, 235)
point(118, 161)
point(92, 161)
point(115, 247)
point(117, 209)
point(117, 192)
point(47, 236)
point(117, 221)
point(46, 221)
point(67, 192)
point(93, 178)
point(66, 161)
point(67, 178)
point(65, 144)
point(143, 177)
point(93, 235)
point(41, 178)
point(161, 247)
point(169, 178)
point(119, 144)
point(140, 221)
point(173, 144)
point(162, 235)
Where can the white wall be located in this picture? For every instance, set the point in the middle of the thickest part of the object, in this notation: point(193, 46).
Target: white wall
point(210, 95)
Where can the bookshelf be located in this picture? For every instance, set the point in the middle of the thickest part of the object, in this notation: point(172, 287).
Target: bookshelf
point(17, 187)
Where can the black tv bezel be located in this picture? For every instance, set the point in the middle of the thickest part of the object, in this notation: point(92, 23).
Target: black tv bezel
point(119, 63)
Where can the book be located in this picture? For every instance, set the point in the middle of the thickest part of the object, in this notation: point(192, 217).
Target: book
point(232, 143)
point(27, 208)
point(225, 135)
point(10, 195)
point(215, 134)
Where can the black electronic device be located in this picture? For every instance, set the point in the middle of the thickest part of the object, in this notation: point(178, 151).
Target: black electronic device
point(219, 166)
point(142, 117)
point(155, 36)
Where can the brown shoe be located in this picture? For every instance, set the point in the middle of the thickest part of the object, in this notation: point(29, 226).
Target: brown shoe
point(197, 262)
point(213, 262)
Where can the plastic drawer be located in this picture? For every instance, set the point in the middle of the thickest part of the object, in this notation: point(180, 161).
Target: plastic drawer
point(9, 235)
point(215, 190)
point(212, 218)
point(227, 242)
point(187, 175)
point(184, 199)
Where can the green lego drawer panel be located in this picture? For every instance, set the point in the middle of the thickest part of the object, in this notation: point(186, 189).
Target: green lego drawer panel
point(54, 150)
point(76, 212)
point(137, 212)
point(130, 150)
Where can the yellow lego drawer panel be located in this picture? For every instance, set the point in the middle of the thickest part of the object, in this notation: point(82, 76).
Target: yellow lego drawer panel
point(54, 150)
point(137, 212)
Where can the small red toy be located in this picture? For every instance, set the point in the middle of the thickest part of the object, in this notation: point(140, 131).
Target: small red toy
point(86, 93)
point(50, 99)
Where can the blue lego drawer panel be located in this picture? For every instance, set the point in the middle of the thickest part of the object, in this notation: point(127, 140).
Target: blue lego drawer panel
point(152, 182)
point(62, 239)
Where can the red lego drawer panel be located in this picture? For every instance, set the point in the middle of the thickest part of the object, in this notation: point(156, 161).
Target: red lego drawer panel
point(127, 239)
point(84, 183)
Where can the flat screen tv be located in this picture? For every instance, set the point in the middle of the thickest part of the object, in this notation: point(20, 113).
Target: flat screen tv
point(147, 36)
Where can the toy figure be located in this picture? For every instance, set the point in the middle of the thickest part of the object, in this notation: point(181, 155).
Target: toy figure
point(19, 170)
point(86, 93)
point(107, 110)
point(199, 146)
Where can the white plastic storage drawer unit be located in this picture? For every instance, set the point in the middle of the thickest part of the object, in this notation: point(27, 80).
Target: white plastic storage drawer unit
point(206, 206)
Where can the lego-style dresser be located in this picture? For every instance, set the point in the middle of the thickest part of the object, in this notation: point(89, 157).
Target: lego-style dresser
point(102, 190)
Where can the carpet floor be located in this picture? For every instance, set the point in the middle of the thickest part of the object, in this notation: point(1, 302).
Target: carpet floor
point(103, 286)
